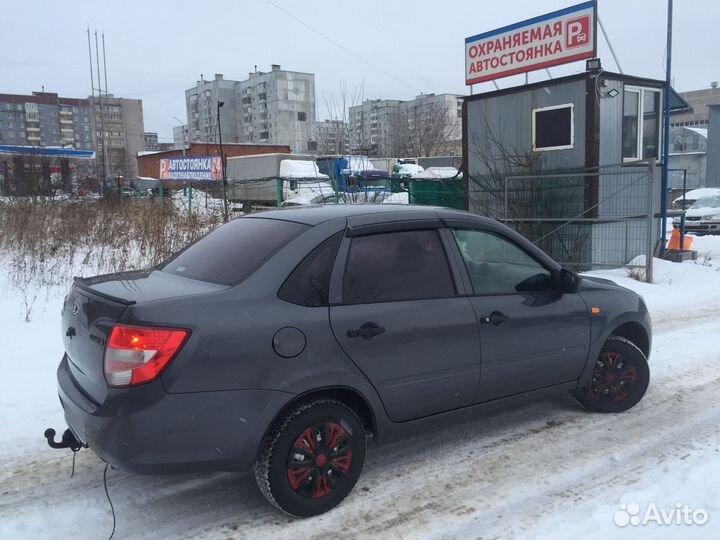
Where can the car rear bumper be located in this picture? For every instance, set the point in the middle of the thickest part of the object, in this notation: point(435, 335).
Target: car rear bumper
point(147, 430)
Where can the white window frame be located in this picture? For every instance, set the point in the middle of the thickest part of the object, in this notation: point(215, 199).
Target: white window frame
point(640, 91)
point(570, 106)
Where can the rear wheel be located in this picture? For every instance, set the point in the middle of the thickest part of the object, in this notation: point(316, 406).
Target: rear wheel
point(619, 380)
point(312, 458)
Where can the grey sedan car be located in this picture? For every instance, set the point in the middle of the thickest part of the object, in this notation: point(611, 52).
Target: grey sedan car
point(282, 340)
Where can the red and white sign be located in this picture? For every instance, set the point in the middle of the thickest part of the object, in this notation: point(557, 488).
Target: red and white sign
point(549, 40)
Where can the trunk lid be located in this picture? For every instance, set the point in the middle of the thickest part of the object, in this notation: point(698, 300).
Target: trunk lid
point(93, 307)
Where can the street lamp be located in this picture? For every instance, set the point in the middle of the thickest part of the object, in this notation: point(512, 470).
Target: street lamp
point(185, 132)
point(222, 160)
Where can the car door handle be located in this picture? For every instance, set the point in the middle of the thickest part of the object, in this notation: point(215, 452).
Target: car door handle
point(495, 318)
point(367, 331)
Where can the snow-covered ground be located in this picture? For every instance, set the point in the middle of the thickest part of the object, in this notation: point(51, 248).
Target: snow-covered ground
point(201, 203)
point(541, 470)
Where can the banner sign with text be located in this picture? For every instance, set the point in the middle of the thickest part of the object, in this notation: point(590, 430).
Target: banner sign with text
point(556, 38)
point(191, 169)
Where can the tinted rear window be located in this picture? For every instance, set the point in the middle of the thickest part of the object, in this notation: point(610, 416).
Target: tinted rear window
point(232, 252)
point(408, 265)
point(309, 283)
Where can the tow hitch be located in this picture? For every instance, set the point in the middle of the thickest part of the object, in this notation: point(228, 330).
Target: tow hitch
point(68, 440)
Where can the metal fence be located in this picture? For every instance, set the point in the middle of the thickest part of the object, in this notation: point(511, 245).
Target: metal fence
point(584, 219)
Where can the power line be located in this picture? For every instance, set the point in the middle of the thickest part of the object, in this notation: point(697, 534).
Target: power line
point(339, 45)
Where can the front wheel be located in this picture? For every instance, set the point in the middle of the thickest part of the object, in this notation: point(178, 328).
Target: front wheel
point(312, 458)
point(619, 380)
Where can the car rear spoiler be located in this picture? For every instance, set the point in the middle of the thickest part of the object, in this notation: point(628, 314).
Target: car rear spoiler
point(86, 285)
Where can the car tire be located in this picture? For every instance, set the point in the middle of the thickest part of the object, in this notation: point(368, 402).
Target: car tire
point(619, 380)
point(298, 471)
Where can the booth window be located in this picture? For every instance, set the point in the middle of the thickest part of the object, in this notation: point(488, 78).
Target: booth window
point(641, 124)
point(553, 128)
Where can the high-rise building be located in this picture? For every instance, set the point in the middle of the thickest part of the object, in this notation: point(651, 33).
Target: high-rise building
point(430, 124)
point(180, 137)
point(151, 141)
point(277, 107)
point(120, 125)
point(274, 107)
point(331, 137)
point(201, 103)
point(371, 127)
point(45, 119)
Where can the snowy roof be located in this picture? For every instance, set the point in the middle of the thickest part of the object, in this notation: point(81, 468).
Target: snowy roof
point(297, 168)
point(436, 173)
point(695, 194)
point(409, 168)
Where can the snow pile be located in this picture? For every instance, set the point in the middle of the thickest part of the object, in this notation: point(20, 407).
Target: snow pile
point(677, 285)
point(409, 169)
point(397, 198)
point(299, 168)
point(436, 173)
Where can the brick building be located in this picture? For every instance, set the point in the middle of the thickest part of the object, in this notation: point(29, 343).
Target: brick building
point(149, 164)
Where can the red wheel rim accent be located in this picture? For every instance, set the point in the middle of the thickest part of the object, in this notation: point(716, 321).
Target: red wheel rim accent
point(320, 458)
point(613, 379)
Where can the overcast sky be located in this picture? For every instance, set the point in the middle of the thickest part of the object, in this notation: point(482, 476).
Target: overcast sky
point(157, 49)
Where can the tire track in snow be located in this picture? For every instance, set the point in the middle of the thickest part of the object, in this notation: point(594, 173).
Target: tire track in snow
point(468, 477)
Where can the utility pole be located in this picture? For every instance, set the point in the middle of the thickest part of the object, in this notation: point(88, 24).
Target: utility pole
point(222, 160)
point(92, 101)
point(102, 116)
point(666, 128)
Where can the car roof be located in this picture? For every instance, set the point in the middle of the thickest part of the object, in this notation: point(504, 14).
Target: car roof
point(315, 214)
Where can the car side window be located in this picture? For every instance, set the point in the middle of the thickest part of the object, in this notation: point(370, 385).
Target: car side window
point(406, 265)
point(309, 284)
point(498, 266)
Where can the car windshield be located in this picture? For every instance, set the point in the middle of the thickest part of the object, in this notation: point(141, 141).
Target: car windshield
point(711, 201)
point(232, 252)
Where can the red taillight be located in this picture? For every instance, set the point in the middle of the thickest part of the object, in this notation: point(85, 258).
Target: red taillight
point(138, 354)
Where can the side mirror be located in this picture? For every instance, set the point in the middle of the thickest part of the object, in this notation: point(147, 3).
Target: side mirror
point(566, 281)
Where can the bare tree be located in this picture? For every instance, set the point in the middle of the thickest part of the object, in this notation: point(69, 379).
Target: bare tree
point(333, 135)
point(426, 129)
point(506, 190)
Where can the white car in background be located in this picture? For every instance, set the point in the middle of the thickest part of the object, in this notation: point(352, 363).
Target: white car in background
point(703, 217)
point(692, 196)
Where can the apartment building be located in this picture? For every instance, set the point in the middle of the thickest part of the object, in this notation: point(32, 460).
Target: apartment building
point(331, 137)
point(45, 119)
point(430, 124)
point(274, 107)
point(371, 127)
point(151, 141)
point(277, 107)
point(119, 125)
point(180, 136)
point(201, 103)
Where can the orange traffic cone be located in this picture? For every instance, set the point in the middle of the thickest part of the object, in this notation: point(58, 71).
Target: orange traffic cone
point(674, 243)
